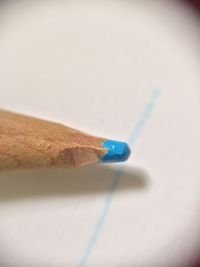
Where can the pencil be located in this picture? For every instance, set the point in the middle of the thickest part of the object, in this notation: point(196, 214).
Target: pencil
point(31, 143)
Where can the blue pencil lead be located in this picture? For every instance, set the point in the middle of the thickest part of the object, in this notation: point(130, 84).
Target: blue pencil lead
point(117, 151)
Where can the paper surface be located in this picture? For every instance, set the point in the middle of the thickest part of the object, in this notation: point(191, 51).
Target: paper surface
point(124, 70)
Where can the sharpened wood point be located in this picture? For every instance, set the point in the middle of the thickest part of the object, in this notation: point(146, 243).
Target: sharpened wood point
point(30, 143)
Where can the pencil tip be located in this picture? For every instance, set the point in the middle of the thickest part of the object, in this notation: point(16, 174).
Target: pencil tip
point(117, 151)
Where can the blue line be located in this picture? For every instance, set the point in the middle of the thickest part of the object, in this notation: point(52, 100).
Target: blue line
point(116, 179)
point(145, 116)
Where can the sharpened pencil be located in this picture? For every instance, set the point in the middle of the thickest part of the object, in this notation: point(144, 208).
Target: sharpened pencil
point(31, 143)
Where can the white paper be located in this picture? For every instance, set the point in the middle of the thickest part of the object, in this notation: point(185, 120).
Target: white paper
point(96, 66)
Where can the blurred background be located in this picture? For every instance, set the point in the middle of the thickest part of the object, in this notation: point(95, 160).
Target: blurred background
point(94, 65)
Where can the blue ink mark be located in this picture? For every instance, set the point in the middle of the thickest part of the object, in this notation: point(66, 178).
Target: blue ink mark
point(145, 116)
point(117, 151)
point(102, 218)
point(116, 179)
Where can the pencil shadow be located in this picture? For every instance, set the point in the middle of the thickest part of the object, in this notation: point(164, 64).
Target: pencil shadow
point(95, 179)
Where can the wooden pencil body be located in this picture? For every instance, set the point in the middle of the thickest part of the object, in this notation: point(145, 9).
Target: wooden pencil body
point(28, 143)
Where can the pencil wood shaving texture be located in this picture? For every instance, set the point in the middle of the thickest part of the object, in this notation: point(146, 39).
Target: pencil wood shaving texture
point(29, 143)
